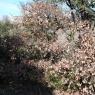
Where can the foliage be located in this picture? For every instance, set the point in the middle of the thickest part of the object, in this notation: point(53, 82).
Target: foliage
point(13, 62)
point(82, 7)
point(5, 25)
point(77, 73)
point(49, 48)
point(42, 19)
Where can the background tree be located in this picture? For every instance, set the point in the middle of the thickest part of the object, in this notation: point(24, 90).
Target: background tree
point(5, 25)
point(83, 7)
point(42, 19)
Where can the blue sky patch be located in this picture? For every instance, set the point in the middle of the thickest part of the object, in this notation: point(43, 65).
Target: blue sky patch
point(11, 7)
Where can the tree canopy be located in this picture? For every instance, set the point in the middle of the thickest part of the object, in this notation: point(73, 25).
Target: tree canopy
point(85, 8)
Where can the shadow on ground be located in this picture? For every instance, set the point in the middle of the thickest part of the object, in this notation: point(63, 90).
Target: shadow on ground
point(16, 75)
point(26, 88)
point(15, 79)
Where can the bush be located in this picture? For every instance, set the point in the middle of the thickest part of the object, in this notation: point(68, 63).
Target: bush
point(13, 66)
point(5, 25)
point(42, 19)
point(76, 74)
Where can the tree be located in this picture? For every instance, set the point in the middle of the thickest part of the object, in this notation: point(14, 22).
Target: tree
point(83, 7)
point(5, 25)
point(42, 19)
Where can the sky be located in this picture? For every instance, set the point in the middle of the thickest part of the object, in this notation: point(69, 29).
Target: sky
point(11, 7)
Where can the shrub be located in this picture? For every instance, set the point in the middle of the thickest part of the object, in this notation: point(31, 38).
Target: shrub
point(5, 25)
point(76, 74)
point(42, 19)
point(13, 66)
